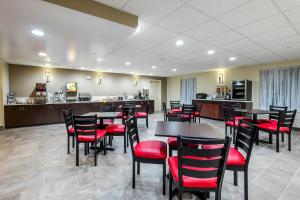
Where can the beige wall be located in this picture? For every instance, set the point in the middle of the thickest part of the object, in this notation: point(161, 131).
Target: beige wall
point(22, 80)
point(207, 81)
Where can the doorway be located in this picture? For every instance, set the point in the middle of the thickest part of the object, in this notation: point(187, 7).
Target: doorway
point(155, 94)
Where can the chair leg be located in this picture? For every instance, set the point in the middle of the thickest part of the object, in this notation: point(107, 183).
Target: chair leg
point(170, 152)
point(104, 145)
point(73, 141)
point(235, 178)
point(164, 178)
point(95, 153)
point(289, 141)
point(226, 127)
point(234, 136)
point(277, 142)
point(88, 148)
point(180, 193)
point(77, 153)
point(124, 142)
point(147, 122)
point(282, 137)
point(270, 138)
point(138, 167)
point(246, 184)
point(170, 185)
point(133, 173)
point(257, 137)
point(85, 149)
point(230, 130)
point(218, 195)
point(68, 142)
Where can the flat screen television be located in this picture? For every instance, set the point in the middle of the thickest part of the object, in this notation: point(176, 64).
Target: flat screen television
point(71, 87)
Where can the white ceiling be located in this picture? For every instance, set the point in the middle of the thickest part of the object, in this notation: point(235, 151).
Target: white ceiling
point(253, 31)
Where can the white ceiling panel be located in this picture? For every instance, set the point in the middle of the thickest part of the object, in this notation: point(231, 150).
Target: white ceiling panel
point(224, 38)
point(254, 10)
point(287, 4)
point(157, 34)
point(293, 14)
point(217, 7)
point(185, 18)
point(207, 30)
point(274, 34)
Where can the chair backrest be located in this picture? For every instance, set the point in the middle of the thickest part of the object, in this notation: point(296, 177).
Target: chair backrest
point(245, 138)
point(127, 109)
point(188, 109)
point(286, 119)
point(228, 114)
point(68, 118)
point(175, 104)
point(276, 108)
point(164, 107)
point(85, 125)
point(202, 163)
point(174, 117)
point(132, 132)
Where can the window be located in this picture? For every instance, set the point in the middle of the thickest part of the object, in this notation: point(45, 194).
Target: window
point(188, 90)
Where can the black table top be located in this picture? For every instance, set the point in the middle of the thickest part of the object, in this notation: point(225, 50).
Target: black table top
point(103, 115)
point(255, 111)
point(173, 129)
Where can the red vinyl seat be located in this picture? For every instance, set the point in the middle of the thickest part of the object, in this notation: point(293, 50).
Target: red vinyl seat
point(91, 138)
point(172, 141)
point(197, 113)
point(186, 116)
point(191, 182)
point(71, 131)
point(271, 121)
point(120, 115)
point(115, 128)
point(151, 149)
point(273, 127)
point(175, 110)
point(108, 122)
point(235, 157)
point(141, 114)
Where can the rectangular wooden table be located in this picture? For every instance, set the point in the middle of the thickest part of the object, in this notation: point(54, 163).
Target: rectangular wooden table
point(199, 130)
point(255, 112)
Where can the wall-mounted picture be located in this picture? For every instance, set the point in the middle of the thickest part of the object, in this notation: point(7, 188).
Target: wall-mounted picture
point(220, 78)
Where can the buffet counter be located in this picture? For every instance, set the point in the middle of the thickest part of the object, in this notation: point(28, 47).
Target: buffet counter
point(18, 115)
point(213, 108)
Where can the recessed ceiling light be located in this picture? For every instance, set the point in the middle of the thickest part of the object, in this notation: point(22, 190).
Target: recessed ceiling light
point(153, 67)
point(47, 64)
point(179, 43)
point(131, 72)
point(37, 32)
point(42, 54)
point(127, 63)
point(151, 74)
point(232, 58)
point(110, 70)
point(210, 52)
point(82, 67)
point(48, 60)
point(99, 59)
point(174, 70)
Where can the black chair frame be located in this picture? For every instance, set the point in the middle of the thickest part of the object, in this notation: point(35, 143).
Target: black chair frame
point(68, 118)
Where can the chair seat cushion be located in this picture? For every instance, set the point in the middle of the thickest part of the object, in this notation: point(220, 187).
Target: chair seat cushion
point(172, 141)
point(175, 110)
point(151, 149)
point(71, 131)
point(120, 115)
point(108, 122)
point(115, 128)
point(235, 157)
point(273, 127)
point(141, 114)
point(190, 181)
point(91, 138)
point(186, 116)
point(271, 121)
point(197, 113)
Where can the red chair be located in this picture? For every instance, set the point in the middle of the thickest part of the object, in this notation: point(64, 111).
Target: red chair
point(172, 141)
point(86, 132)
point(116, 130)
point(143, 115)
point(70, 129)
point(198, 170)
point(151, 151)
point(198, 113)
point(284, 126)
point(175, 106)
point(188, 113)
point(239, 155)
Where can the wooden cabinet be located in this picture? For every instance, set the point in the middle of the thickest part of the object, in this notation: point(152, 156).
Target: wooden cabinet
point(39, 114)
point(214, 109)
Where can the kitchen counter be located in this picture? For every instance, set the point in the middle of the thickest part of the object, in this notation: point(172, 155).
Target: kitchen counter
point(213, 108)
point(18, 115)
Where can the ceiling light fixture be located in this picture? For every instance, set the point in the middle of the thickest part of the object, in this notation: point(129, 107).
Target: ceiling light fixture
point(153, 67)
point(82, 67)
point(151, 74)
point(48, 60)
point(99, 59)
point(232, 58)
point(131, 72)
point(127, 63)
point(37, 32)
point(210, 52)
point(47, 64)
point(110, 70)
point(174, 70)
point(42, 54)
point(179, 43)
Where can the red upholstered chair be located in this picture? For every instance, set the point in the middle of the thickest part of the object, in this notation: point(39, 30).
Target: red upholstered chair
point(175, 106)
point(239, 155)
point(198, 112)
point(70, 129)
point(273, 118)
point(198, 170)
point(117, 130)
point(188, 113)
point(86, 132)
point(150, 151)
point(284, 126)
point(172, 141)
point(143, 115)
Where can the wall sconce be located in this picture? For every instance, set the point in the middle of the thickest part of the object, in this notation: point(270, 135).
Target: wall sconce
point(99, 79)
point(47, 77)
point(220, 78)
point(135, 82)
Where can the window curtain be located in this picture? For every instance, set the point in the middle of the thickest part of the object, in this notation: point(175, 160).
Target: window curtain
point(280, 87)
point(188, 90)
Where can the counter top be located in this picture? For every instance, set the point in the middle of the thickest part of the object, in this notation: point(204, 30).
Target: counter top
point(222, 100)
point(77, 102)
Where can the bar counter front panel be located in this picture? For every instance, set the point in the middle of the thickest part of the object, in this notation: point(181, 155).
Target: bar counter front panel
point(213, 109)
point(19, 115)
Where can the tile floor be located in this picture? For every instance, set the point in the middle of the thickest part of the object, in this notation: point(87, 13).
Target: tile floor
point(34, 165)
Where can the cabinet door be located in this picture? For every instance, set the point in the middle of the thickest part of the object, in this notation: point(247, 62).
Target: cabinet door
point(205, 109)
point(14, 116)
